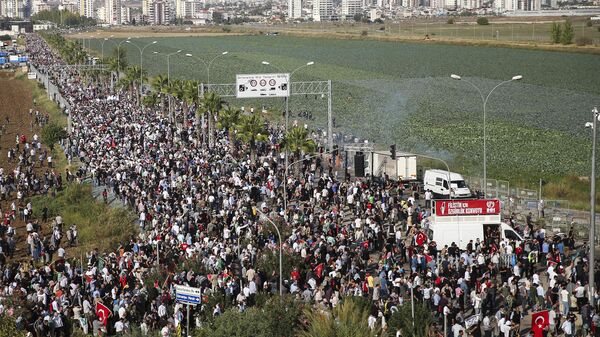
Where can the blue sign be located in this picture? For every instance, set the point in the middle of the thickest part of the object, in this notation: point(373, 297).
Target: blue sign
point(188, 295)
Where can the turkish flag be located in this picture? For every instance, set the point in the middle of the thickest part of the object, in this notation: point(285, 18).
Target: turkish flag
point(103, 313)
point(421, 238)
point(539, 321)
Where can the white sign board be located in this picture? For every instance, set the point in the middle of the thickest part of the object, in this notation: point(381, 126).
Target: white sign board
point(31, 76)
point(188, 295)
point(262, 85)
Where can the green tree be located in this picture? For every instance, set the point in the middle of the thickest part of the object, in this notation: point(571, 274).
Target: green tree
point(402, 320)
point(566, 36)
point(251, 129)
point(555, 32)
point(296, 141)
point(150, 100)
point(52, 133)
point(210, 105)
point(229, 116)
point(276, 317)
point(347, 319)
point(160, 86)
point(483, 21)
point(8, 327)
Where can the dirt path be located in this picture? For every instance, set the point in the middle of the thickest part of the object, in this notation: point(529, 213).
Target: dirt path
point(16, 99)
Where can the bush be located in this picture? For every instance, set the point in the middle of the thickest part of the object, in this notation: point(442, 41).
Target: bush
point(450, 21)
point(566, 36)
point(599, 29)
point(589, 23)
point(483, 21)
point(583, 41)
point(364, 33)
point(52, 133)
point(555, 32)
point(8, 327)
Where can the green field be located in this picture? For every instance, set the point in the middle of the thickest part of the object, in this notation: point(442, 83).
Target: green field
point(398, 92)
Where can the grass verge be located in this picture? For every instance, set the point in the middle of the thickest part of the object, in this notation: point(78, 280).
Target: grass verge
point(98, 225)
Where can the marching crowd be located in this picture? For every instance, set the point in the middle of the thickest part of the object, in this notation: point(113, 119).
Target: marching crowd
point(207, 203)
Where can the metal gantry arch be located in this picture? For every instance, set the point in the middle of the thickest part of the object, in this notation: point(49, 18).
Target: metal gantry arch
point(296, 88)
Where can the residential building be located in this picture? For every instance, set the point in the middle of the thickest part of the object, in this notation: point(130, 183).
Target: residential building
point(159, 12)
point(294, 9)
point(112, 12)
point(18, 9)
point(322, 10)
point(351, 8)
point(86, 8)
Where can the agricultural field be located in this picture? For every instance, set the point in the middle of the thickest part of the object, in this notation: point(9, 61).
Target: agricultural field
point(400, 92)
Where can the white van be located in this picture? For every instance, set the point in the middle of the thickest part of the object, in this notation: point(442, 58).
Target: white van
point(437, 182)
point(461, 232)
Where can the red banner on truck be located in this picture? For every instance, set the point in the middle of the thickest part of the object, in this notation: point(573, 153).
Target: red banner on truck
point(467, 207)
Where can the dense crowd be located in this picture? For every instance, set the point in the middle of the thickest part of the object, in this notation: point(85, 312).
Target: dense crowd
point(207, 203)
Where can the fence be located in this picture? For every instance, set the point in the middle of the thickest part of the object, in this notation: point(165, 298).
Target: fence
point(53, 93)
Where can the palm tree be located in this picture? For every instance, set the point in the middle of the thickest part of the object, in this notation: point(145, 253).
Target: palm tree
point(190, 94)
point(346, 319)
point(175, 89)
point(160, 86)
point(131, 79)
point(251, 129)
point(150, 100)
point(296, 141)
point(211, 103)
point(120, 56)
point(228, 117)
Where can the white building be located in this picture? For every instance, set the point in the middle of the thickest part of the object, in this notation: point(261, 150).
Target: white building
point(159, 12)
point(351, 8)
point(322, 10)
point(294, 9)
point(86, 8)
point(18, 9)
point(112, 12)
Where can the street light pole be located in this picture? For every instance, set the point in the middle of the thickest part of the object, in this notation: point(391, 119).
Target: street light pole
point(592, 234)
point(209, 63)
point(265, 217)
point(484, 101)
point(287, 114)
point(141, 66)
point(119, 54)
point(169, 81)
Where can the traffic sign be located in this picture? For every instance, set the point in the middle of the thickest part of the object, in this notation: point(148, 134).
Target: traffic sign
point(262, 85)
point(188, 295)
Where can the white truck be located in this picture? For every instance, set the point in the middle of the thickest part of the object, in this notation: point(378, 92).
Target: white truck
point(437, 182)
point(461, 221)
point(403, 168)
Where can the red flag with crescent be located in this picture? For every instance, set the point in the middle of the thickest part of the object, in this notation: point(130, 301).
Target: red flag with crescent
point(421, 238)
point(103, 313)
point(539, 321)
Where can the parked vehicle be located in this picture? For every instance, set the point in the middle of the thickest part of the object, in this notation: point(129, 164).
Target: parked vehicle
point(462, 232)
point(437, 182)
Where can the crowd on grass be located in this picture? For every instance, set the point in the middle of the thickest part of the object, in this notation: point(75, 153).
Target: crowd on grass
point(210, 205)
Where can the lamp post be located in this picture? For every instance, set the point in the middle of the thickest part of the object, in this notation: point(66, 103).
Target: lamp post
point(592, 234)
point(105, 39)
point(209, 64)
point(265, 217)
point(287, 99)
point(169, 77)
point(119, 54)
point(141, 65)
point(484, 100)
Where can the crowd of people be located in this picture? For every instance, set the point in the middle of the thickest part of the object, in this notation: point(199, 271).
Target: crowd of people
point(212, 204)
